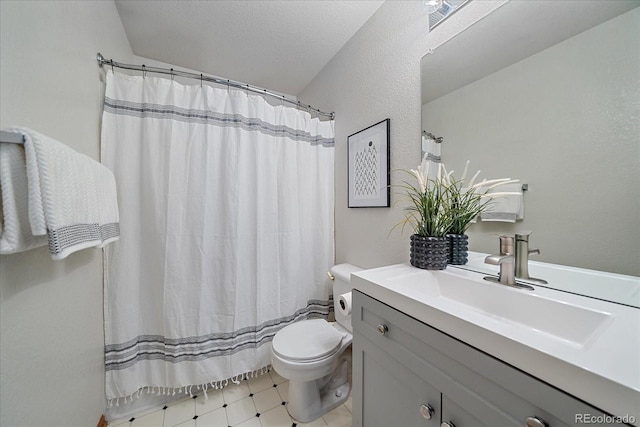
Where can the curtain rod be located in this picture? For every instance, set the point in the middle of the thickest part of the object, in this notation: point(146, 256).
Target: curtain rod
point(202, 77)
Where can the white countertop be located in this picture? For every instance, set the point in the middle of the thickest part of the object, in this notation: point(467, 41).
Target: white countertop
point(601, 367)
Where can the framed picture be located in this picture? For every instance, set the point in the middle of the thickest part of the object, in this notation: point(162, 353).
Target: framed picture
point(369, 166)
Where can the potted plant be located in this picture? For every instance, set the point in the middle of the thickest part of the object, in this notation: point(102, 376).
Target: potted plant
point(466, 201)
point(429, 216)
point(440, 207)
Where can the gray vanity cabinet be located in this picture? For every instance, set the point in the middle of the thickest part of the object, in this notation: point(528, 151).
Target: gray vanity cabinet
point(406, 373)
point(392, 394)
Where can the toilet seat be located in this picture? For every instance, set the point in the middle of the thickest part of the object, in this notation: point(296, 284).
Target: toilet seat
point(307, 341)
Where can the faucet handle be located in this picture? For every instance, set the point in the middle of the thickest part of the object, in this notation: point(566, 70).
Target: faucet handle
point(523, 235)
point(534, 251)
point(498, 259)
point(507, 245)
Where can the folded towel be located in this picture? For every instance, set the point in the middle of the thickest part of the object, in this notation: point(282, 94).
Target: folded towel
point(71, 197)
point(508, 208)
point(15, 231)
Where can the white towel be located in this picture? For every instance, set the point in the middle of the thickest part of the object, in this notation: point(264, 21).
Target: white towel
point(71, 197)
point(432, 152)
point(15, 234)
point(509, 208)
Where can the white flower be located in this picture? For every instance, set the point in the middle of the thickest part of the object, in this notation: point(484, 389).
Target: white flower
point(421, 181)
point(499, 194)
point(464, 173)
point(493, 183)
point(446, 176)
point(473, 179)
point(422, 173)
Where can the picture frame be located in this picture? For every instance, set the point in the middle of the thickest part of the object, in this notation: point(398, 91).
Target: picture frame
point(369, 166)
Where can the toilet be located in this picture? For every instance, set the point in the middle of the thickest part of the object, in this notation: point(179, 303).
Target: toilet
point(311, 355)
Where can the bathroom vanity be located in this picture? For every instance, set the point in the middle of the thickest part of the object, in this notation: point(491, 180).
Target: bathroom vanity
point(446, 348)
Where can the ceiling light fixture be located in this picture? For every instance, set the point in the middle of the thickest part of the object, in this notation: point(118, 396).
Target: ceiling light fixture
point(431, 6)
point(439, 10)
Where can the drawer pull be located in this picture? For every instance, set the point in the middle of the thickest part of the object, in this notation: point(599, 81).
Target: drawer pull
point(426, 410)
point(382, 329)
point(447, 424)
point(534, 422)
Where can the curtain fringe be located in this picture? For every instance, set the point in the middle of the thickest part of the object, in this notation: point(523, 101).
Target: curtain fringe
point(187, 389)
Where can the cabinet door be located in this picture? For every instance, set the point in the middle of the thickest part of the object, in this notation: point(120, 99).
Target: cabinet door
point(387, 394)
point(456, 415)
point(470, 410)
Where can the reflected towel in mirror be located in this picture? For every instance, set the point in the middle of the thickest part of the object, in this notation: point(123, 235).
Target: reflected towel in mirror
point(508, 208)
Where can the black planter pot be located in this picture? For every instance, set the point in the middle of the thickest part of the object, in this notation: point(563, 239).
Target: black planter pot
point(429, 253)
point(458, 249)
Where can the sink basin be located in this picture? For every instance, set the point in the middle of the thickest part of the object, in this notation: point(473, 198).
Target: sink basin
point(526, 309)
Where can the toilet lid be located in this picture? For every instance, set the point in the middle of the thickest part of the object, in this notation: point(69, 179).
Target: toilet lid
point(307, 340)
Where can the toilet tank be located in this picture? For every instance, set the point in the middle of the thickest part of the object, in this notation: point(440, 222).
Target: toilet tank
point(342, 285)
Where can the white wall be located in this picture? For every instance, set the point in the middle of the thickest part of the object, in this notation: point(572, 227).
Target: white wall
point(376, 75)
point(51, 330)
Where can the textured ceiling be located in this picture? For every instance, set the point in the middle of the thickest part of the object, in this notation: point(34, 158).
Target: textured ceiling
point(277, 44)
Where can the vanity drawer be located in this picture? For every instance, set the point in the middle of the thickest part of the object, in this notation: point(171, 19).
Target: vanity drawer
point(487, 388)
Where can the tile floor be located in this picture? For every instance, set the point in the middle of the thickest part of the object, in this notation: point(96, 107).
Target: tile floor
point(256, 402)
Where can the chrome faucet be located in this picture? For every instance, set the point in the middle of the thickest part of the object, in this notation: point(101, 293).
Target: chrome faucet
point(522, 257)
point(507, 262)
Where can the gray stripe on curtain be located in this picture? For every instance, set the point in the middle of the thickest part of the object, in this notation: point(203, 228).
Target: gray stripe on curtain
point(157, 347)
point(171, 112)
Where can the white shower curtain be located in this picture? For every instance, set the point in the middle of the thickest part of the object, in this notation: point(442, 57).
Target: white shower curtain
point(226, 232)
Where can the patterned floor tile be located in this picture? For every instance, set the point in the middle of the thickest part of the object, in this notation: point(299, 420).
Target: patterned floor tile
point(234, 392)
point(240, 411)
point(179, 412)
point(253, 403)
point(217, 418)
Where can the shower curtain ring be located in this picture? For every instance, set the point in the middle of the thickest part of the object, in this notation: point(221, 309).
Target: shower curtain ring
point(228, 85)
point(172, 74)
point(200, 79)
point(144, 71)
point(111, 61)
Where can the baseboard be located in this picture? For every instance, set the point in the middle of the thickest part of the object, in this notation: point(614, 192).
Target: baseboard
point(102, 422)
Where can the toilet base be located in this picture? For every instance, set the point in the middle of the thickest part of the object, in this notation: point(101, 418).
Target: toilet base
point(328, 400)
point(309, 400)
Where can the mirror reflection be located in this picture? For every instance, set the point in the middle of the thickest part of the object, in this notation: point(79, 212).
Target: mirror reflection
point(555, 102)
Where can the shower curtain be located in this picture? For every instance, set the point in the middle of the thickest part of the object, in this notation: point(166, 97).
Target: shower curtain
point(226, 218)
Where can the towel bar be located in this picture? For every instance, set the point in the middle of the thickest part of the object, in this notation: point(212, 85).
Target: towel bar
point(11, 138)
point(437, 139)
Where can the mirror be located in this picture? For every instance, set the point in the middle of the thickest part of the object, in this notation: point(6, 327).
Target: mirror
point(548, 93)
